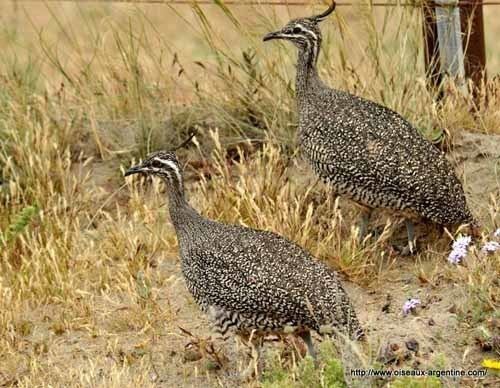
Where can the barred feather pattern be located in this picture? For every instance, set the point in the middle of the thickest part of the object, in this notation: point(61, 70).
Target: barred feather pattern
point(373, 156)
point(252, 280)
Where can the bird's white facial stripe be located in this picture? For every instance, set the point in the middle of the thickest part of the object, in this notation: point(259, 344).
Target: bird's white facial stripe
point(163, 161)
point(312, 33)
point(172, 166)
point(314, 39)
point(297, 36)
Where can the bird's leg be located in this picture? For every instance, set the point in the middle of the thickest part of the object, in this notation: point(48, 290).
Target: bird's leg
point(306, 337)
point(411, 248)
point(253, 367)
point(363, 223)
point(256, 347)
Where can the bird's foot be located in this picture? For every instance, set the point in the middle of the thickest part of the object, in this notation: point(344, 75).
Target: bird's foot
point(410, 249)
point(306, 337)
point(250, 373)
point(253, 369)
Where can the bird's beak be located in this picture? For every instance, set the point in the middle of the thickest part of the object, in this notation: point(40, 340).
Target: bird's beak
point(274, 35)
point(135, 170)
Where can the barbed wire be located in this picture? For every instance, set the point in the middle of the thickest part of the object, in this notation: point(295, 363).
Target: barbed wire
point(290, 3)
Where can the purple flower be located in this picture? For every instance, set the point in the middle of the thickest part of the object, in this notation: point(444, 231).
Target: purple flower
point(410, 305)
point(497, 233)
point(456, 256)
point(459, 249)
point(462, 242)
point(490, 247)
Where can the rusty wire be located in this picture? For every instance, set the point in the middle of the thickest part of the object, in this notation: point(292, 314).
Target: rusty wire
point(290, 3)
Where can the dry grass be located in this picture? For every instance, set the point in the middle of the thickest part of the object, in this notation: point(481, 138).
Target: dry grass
point(90, 289)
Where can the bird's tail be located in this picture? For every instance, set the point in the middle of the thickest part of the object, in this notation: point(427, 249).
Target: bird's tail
point(356, 332)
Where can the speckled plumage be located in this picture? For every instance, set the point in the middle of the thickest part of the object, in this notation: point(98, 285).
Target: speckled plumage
point(251, 280)
point(366, 151)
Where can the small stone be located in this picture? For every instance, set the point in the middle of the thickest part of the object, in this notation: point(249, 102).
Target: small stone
point(153, 376)
point(485, 346)
point(386, 307)
point(389, 354)
point(495, 343)
point(489, 344)
point(412, 345)
point(394, 347)
point(191, 355)
point(494, 323)
point(431, 322)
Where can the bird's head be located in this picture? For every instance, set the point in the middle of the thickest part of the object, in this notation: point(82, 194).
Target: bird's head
point(303, 32)
point(163, 164)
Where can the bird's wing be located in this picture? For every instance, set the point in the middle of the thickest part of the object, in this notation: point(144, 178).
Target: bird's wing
point(259, 272)
point(384, 151)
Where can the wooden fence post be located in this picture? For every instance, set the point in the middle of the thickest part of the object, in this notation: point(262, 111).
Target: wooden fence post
point(471, 14)
point(454, 44)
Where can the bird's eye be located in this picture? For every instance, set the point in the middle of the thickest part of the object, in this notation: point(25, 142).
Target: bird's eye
point(297, 30)
point(156, 164)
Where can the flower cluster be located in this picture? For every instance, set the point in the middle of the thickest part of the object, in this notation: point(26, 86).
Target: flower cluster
point(410, 305)
point(459, 249)
point(490, 247)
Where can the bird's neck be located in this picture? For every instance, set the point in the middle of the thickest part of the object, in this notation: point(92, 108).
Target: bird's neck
point(307, 79)
point(182, 215)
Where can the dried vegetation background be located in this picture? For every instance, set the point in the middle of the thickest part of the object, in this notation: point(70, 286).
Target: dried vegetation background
point(90, 287)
